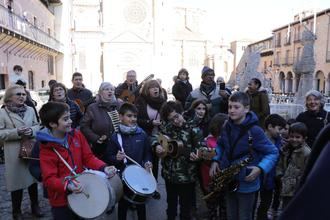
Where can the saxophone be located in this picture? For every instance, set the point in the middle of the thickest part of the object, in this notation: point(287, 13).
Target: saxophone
point(224, 178)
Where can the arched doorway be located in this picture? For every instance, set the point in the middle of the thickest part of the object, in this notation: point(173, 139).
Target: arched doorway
point(282, 82)
point(320, 81)
point(290, 82)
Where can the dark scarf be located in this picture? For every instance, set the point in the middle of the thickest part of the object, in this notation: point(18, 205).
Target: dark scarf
point(109, 106)
point(155, 103)
point(207, 88)
point(20, 110)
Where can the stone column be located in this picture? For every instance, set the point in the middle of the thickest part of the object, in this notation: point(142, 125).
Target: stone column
point(294, 84)
point(327, 86)
point(286, 89)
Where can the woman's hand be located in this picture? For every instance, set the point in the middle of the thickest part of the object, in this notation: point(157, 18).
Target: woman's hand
point(26, 131)
point(156, 122)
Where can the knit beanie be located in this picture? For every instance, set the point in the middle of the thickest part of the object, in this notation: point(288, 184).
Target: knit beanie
point(206, 70)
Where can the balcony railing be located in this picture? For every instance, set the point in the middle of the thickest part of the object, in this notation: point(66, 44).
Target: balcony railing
point(21, 26)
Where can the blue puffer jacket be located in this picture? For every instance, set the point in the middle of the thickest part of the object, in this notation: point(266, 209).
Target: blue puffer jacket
point(269, 178)
point(265, 154)
point(136, 146)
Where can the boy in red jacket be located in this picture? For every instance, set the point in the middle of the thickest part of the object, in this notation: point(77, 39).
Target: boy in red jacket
point(73, 147)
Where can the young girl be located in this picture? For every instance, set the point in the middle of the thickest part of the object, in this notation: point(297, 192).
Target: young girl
point(215, 127)
point(198, 116)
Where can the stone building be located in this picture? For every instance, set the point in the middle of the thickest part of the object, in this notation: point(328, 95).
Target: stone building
point(28, 38)
point(288, 50)
point(151, 37)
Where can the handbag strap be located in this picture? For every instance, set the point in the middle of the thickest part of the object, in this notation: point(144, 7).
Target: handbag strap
point(10, 117)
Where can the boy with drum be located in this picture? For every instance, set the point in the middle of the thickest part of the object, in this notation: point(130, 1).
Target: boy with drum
point(180, 171)
point(128, 147)
point(58, 144)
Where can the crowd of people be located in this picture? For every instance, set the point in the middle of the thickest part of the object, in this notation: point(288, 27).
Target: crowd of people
point(272, 153)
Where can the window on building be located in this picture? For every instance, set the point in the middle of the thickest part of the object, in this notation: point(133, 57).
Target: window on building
point(298, 53)
point(271, 63)
point(35, 21)
point(48, 31)
point(42, 83)
point(50, 63)
point(265, 65)
point(287, 55)
point(2, 81)
point(31, 80)
point(277, 58)
point(243, 48)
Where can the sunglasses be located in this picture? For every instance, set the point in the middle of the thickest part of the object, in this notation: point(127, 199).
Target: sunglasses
point(20, 94)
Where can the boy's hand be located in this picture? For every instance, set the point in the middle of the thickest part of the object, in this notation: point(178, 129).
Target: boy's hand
point(148, 166)
point(75, 187)
point(214, 169)
point(110, 171)
point(193, 156)
point(255, 172)
point(120, 155)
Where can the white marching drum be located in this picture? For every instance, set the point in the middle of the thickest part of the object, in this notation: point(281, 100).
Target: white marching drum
point(94, 199)
point(139, 184)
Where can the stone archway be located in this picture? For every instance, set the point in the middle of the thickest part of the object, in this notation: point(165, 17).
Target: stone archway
point(289, 83)
point(282, 82)
point(319, 81)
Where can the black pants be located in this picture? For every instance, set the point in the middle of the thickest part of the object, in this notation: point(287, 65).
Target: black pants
point(17, 196)
point(182, 193)
point(265, 202)
point(277, 193)
point(63, 213)
point(155, 165)
point(123, 206)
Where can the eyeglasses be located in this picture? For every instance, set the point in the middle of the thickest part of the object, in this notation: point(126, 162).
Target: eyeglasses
point(20, 94)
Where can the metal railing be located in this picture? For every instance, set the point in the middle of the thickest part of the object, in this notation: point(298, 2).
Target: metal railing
point(13, 22)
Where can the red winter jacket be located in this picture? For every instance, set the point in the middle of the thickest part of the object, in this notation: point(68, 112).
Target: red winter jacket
point(53, 169)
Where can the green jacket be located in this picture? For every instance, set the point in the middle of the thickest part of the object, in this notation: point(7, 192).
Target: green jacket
point(180, 169)
point(259, 104)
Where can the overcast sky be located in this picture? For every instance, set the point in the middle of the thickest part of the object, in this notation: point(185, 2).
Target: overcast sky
point(250, 19)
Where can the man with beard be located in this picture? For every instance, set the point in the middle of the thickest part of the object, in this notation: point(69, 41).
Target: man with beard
point(216, 100)
point(128, 90)
point(78, 93)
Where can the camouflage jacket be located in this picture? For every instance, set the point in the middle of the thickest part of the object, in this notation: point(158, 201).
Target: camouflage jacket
point(291, 167)
point(180, 169)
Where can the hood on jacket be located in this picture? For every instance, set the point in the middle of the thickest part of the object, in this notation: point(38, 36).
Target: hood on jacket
point(250, 118)
point(44, 135)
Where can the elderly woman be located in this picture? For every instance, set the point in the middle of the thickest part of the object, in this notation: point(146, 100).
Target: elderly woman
point(315, 117)
point(58, 93)
point(18, 120)
point(96, 124)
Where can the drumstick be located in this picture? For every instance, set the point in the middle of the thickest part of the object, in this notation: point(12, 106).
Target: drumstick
point(133, 160)
point(71, 170)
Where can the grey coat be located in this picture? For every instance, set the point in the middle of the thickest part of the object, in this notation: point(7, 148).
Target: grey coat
point(16, 170)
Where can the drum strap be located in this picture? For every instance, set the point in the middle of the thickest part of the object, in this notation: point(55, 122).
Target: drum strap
point(120, 141)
